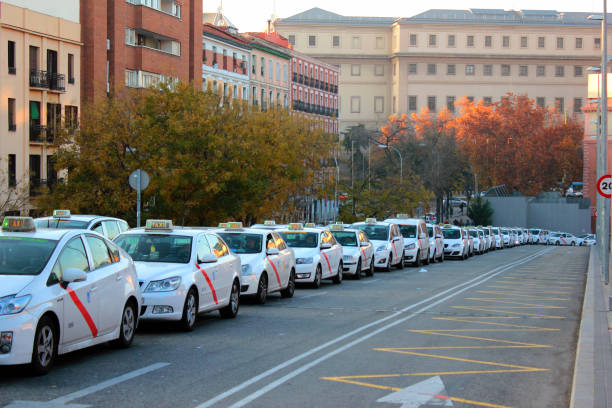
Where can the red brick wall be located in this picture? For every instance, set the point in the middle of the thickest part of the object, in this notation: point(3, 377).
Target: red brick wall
point(93, 53)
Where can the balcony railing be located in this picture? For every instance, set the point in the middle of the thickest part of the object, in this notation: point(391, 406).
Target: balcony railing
point(295, 77)
point(38, 79)
point(40, 134)
point(314, 108)
point(44, 79)
point(57, 82)
point(301, 79)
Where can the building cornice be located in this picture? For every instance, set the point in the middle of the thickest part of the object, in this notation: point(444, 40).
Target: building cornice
point(52, 37)
point(226, 40)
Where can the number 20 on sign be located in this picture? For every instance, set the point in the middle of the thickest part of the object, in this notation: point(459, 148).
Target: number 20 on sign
point(604, 186)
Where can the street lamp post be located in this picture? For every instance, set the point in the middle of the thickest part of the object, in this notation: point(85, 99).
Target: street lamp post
point(599, 227)
point(382, 146)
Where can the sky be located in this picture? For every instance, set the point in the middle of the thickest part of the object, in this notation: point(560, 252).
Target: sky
point(251, 15)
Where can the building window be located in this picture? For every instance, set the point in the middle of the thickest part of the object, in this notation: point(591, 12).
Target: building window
point(355, 104)
point(541, 70)
point(487, 100)
point(336, 41)
point(577, 71)
point(253, 64)
point(488, 70)
point(488, 41)
point(451, 40)
point(578, 42)
point(130, 36)
point(71, 117)
point(278, 71)
point(262, 68)
point(541, 42)
point(523, 42)
point(412, 103)
point(597, 43)
point(431, 103)
point(284, 72)
point(560, 104)
point(559, 71)
point(470, 69)
point(450, 69)
point(380, 42)
point(379, 70)
point(506, 41)
point(413, 40)
point(12, 69)
point(356, 42)
point(312, 41)
point(470, 40)
point(505, 70)
point(70, 68)
point(431, 69)
point(292, 39)
point(355, 70)
point(270, 69)
point(523, 70)
point(432, 40)
point(379, 104)
point(255, 95)
point(131, 79)
point(12, 170)
point(577, 105)
point(450, 103)
point(12, 122)
point(412, 68)
point(541, 101)
point(559, 42)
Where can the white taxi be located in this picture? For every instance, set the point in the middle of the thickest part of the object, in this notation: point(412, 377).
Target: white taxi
point(415, 240)
point(182, 272)
point(480, 242)
point(498, 240)
point(269, 225)
point(436, 243)
point(268, 264)
point(387, 241)
point(62, 291)
point(561, 238)
point(62, 219)
point(357, 250)
point(455, 242)
point(317, 254)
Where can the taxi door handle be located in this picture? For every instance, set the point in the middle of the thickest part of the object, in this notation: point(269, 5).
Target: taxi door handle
point(92, 290)
point(119, 277)
point(60, 299)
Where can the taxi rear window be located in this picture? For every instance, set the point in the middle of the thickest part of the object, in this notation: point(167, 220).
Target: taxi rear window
point(408, 231)
point(59, 223)
point(24, 256)
point(156, 247)
point(300, 239)
point(474, 233)
point(345, 238)
point(242, 243)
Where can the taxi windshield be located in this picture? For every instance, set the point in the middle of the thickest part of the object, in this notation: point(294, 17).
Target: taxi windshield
point(24, 256)
point(535, 231)
point(375, 232)
point(555, 234)
point(345, 238)
point(451, 233)
point(300, 239)
point(430, 231)
point(473, 233)
point(61, 223)
point(156, 247)
point(505, 232)
point(243, 243)
point(408, 231)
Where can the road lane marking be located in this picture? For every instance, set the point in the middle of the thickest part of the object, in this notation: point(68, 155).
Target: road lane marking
point(492, 292)
point(510, 302)
point(263, 390)
point(530, 315)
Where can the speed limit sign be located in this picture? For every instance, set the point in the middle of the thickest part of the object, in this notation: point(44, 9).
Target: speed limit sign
point(604, 186)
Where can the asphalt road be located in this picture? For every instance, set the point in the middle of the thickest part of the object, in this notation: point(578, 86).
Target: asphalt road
point(496, 330)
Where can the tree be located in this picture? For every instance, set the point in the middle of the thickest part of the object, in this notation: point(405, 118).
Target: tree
point(480, 211)
point(517, 143)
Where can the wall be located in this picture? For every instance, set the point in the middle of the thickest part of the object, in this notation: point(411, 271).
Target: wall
point(66, 9)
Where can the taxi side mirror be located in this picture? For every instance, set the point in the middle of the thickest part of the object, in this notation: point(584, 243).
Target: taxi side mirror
point(272, 251)
point(74, 275)
point(422, 235)
point(208, 258)
point(326, 245)
point(364, 244)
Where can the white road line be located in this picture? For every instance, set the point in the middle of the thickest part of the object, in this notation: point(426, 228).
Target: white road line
point(108, 383)
point(311, 296)
point(297, 358)
point(306, 367)
point(369, 281)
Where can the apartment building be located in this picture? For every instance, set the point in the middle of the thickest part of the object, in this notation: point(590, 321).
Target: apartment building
point(136, 43)
point(40, 83)
point(401, 65)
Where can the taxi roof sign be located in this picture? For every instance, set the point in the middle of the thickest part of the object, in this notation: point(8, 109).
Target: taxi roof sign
point(18, 224)
point(233, 225)
point(370, 220)
point(336, 227)
point(164, 225)
point(61, 213)
point(310, 225)
point(402, 216)
point(223, 225)
point(296, 226)
point(269, 222)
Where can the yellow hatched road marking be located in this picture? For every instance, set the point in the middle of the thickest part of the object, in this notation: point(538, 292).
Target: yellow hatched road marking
point(531, 315)
point(468, 320)
point(531, 290)
point(494, 292)
point(510, 302)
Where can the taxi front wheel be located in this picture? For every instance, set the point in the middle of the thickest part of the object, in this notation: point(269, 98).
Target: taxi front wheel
point(45, 346)
point(231, 310)
point(317, 279)
point(127, 327)
point(190, 311)
point(338, 278)
point(290, 289)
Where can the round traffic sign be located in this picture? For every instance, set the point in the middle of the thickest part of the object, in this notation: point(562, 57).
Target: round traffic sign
point(134, 179)
point(604, 186)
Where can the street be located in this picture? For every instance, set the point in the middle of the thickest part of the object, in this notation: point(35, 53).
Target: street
point(497, 330)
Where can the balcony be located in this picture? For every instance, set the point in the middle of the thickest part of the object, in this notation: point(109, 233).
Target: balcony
point(57, 82)
point(40, 134)
point(38, 79)
point(301, 79)
point(51, 81)
point(316, 83)
point(295, 77)
point(312, 81)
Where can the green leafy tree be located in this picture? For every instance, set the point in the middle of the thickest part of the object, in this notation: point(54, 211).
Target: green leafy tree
point(480, 211)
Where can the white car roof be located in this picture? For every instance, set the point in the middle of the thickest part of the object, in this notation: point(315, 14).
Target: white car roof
point(42, 233)
point(261, 231)
point(189, 231)
point(79, 217)
point(309, 229)
point(407, 221)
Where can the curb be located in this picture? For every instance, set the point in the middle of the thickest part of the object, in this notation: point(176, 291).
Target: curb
point(583, 384)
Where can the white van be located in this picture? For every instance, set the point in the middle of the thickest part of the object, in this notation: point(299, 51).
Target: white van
point(416, 240)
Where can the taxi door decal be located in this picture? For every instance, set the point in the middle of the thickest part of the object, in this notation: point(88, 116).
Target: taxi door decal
point(562, 240)
point(394, 248)
point(275, 271)
point(210, 285)
point(328, 264)
point(84, 312)
point(365, 258)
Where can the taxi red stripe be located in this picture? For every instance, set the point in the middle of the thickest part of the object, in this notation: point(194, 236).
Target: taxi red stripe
point(394, 248)
point(328, 264)
point(210, 285)
point(275, 271)
point(84, 312)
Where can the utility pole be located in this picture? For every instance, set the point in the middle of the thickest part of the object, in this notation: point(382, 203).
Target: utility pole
point(604, 131)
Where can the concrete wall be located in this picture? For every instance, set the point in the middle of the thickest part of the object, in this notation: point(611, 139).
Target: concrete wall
point(66, 9)
point(509, 211)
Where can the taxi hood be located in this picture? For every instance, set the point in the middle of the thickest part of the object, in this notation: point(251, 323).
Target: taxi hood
point(13, 284)
point(305, 252)
point(376, 243)
point(159, 270)
point(246, 259)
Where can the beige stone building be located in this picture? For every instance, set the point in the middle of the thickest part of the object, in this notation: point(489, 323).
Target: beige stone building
point(402, 65)
point(39, 89)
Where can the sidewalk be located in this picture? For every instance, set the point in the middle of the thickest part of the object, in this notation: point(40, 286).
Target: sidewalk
point(592, 385)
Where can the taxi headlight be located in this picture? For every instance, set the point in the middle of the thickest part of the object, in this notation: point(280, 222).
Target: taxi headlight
point(247, 270)
point(13, 305)
point(164, 285)
point(411, 246)
point(456, 245)
point(303, 260)
point(381, 248)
